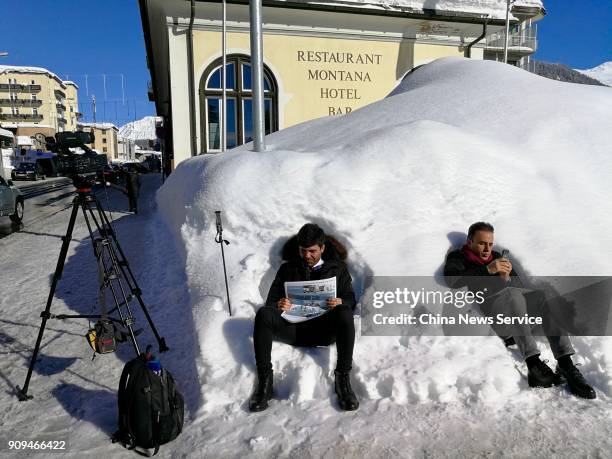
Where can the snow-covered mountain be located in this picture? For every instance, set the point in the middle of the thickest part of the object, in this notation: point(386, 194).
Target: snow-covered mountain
point(143, 129)
point(602, 73)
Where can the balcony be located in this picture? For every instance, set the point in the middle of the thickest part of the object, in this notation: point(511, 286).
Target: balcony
point(520, 42)
point(20, 102)
point(20, 116)
point(60, 94)
point(60, 106)
point(20, 87)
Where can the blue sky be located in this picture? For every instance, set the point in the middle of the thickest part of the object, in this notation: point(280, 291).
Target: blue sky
point(74, 38)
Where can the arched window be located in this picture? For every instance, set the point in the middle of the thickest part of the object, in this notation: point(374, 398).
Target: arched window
point(239, 113)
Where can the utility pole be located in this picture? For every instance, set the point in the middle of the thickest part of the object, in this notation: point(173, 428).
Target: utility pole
point(257, 76)
point(93, 101)
point(508, 3)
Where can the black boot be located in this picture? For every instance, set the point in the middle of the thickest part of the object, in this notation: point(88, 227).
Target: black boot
point(576, 382)
point(263, 392)
point(541, 375)
point(346, 397)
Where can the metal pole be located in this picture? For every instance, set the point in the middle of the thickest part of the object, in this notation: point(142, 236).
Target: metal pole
point(507, 31)
point(223, 80)
point(257, 76)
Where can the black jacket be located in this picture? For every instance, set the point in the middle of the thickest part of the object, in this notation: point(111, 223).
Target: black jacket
point(460, 271)
point(296, 270)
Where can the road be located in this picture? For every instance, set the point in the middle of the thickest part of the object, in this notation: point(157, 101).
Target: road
point(43, 199)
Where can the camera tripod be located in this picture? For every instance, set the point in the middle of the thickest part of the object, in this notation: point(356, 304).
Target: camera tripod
point(115, 275)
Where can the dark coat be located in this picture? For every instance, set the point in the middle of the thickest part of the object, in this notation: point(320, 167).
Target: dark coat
point(460, 271)
point(132, 183)
point(295, 270)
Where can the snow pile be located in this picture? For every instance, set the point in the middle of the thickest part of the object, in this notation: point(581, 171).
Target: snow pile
point(143, 129)
point(602, 73)
point(495, 9)
point(398, 182)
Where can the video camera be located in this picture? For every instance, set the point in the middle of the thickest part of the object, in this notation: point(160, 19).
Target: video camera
point(83, 168)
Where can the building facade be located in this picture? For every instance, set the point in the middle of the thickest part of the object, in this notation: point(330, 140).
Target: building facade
point(321, 59)
point(35, 102)
point(106, 138)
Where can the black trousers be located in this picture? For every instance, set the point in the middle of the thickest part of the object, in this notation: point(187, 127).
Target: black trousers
point(334, 326)
point(133, 199)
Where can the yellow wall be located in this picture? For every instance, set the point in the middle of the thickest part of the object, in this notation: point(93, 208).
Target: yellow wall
point(425, 53)
point(304, 91)
point(306, 86)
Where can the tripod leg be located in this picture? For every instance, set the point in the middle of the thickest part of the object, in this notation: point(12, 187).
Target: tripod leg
point(109, 272)
point(23, 393)
point(129, 276)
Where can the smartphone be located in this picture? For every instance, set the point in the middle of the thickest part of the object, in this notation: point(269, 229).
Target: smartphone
point(505, 254)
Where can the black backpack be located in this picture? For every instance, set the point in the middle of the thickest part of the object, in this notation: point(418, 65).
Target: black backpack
point(151, 410)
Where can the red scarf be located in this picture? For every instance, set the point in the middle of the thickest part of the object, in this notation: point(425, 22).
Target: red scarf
point(475, 258)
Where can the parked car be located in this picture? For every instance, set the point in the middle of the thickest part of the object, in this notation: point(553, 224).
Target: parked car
point(11, 201)
point(28, 171)
point(109, 174)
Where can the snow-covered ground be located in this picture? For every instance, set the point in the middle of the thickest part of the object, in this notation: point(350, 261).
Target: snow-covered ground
point(397, 182)
point(602, 73)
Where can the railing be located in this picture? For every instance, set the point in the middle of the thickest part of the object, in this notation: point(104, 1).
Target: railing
point(22, 102)
point(20, 87)
point(20, 116)
point(59, 93)
point(525, 39)
point(60, 106)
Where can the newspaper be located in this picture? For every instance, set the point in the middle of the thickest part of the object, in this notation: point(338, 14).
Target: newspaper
point(308, 299)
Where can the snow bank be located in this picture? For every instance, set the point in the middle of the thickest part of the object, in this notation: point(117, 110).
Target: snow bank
point(495, 9)
point(398, 182)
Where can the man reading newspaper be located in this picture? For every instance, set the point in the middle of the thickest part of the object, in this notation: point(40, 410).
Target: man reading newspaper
point(313, 258)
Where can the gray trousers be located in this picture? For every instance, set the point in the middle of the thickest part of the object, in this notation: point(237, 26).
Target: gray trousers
point(516, 302)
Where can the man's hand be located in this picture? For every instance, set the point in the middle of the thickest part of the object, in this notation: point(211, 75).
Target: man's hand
point(501, 266)
point(333, 302)
point(284, 304)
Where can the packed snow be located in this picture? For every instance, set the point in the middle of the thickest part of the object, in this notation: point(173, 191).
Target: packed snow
point(602, 73)
point(399, 182)
point(142, 129)
point(494, 9)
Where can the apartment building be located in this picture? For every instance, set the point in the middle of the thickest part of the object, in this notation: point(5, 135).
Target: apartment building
point(106, 138)
point(35, 102)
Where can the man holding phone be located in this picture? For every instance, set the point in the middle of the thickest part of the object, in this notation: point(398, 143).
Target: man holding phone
point(480, 268)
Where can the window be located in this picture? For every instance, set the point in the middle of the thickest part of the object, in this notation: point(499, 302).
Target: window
point(34, 97)
point(34, 111)
point(104, 149)
point(13, 96)
point(104, 140)
point(33, 82)
point(239, 109)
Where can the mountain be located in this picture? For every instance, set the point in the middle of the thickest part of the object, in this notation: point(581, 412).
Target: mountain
point(143, 129)
point(561, 72)
point(602, 73)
